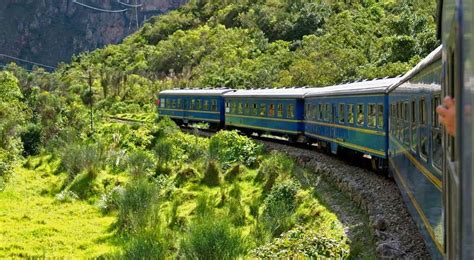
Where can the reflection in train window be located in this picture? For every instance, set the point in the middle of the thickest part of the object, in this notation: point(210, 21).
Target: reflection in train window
point(423, 130)
point(241, 108)
point(350, 114)
point(280, 110)
point(214, 105)
point(247, 109)
point(436, 137)
point(179, 103)
point(198, 104)
point(341, 113)
point(254, 109)
point(271, 110)
point(413, 139)
point(290, 112)
point(307, 115)
point(380, 116)
point(321, 112)
point(406, 127)
point(206, 105)
point(360, 114)
point(263, 109)
point(371, 115)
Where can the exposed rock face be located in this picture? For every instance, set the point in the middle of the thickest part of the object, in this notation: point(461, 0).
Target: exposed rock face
point(50, 31)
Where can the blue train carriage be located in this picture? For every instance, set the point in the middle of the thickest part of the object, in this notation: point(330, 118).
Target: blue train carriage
point(186, 106)
point(350, 119)
point(415, 147)
point(277, 112)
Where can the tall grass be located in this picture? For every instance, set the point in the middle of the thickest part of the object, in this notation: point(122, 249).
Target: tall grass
point(145, 245)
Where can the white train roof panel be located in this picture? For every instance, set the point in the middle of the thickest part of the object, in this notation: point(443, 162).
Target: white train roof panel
point(355, 88)
point(196, 92)
point(270, 93)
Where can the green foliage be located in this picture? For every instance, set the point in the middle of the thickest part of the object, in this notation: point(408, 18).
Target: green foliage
point(212, 174)
point(76, 158)
point(280, 205)
point(302, 243)
point(145, 245)
point(211, 238)
point(138, 206)
point(228, 147)
point(139, 163)
point(111, 200)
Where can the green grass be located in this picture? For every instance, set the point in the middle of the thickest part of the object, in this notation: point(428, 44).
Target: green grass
point(34, 223)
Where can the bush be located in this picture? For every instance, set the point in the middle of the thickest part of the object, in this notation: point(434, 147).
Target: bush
point(111, 200)
point(301, 244)
point(276, 165)
point(138, 206)
point(211, 238)
point(280, 204)
point(228, 147)
point(185, 175)
point(212, 174)
point(76, 158)
point(31, 139)
point(139, 163)
point(146, 245)
point(233, 173)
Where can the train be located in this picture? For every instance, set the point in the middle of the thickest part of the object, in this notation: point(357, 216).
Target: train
point(391, 121)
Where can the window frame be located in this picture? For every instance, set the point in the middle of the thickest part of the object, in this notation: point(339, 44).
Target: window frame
point(380, 116)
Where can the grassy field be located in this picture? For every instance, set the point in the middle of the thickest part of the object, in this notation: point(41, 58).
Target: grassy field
point(33, 223)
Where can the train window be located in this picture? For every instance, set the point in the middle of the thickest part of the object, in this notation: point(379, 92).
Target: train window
point(206, 105)
point(280, 110)
point(254, 109)
point(360, 114)
point(315, 111)
point(198, 104)
point(247, 109)
point(263, 109)
point(179, 103)
point(227, 109)
point(422, 112)
point(436, 137)
point(173, 103)
point(371, 115)
point(321, 112)
point(413, 136)
point(406, 129)
point(214, 105)
point(271, 110)
point(241, 108)
point(162, 102)
point(290, 113)
point(327, 112)
point(350, 114)
point(341, 113)
point(423, 130)
point(307, 112)
point(380, 116)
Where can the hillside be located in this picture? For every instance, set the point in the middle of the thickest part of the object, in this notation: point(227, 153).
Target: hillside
point(52, 31)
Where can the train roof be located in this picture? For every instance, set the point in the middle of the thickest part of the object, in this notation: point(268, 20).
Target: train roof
point(355, 88)
point(428, 60)
point(196, 92)
point(271, 92)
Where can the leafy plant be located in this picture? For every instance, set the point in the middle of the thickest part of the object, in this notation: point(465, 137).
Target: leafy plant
point(228, 147)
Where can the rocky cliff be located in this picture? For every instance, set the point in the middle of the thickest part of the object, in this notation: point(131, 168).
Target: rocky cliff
point(51, 31)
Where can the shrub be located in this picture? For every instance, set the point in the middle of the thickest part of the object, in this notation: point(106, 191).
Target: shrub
point(66, 196)
point(6, 163)
point(76, 158)
point(111, 200)
point(229, 147)
point(164, 151)
point(139, 162)
point(145, 245)
point(185, 175)
point(211, 238)
point(280, 204)
point(301, 244)
point(138, 206)
point(212, 174)
point(276, 165)
point(233, 173)
point(236, 212)
point(31, 139)
point(83, 185)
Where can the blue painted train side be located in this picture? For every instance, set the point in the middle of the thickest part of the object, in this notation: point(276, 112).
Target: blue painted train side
point(415, 147)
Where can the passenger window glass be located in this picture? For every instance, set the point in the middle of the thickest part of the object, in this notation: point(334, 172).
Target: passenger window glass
point(271, 110)
point(227, 108)
point(162, 102)
point(371, 115)
point(206, 105)
point(437, 153)
point(179, 103)
point(406, 128)
point(254, 109)
point(380, 113)
point(307, 112)
point(360, 114)
point(321, 112)
point(280, 110)
point(214, 105)
point(247, 109)
point(241, 108)
point(328, 112)
point(263, 109)
point(290, 111)
point(414, 139)
point(341, 113)
point(423, 130)
point(350, 114)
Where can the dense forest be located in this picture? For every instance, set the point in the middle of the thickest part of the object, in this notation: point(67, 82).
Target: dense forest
point(59, 122)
